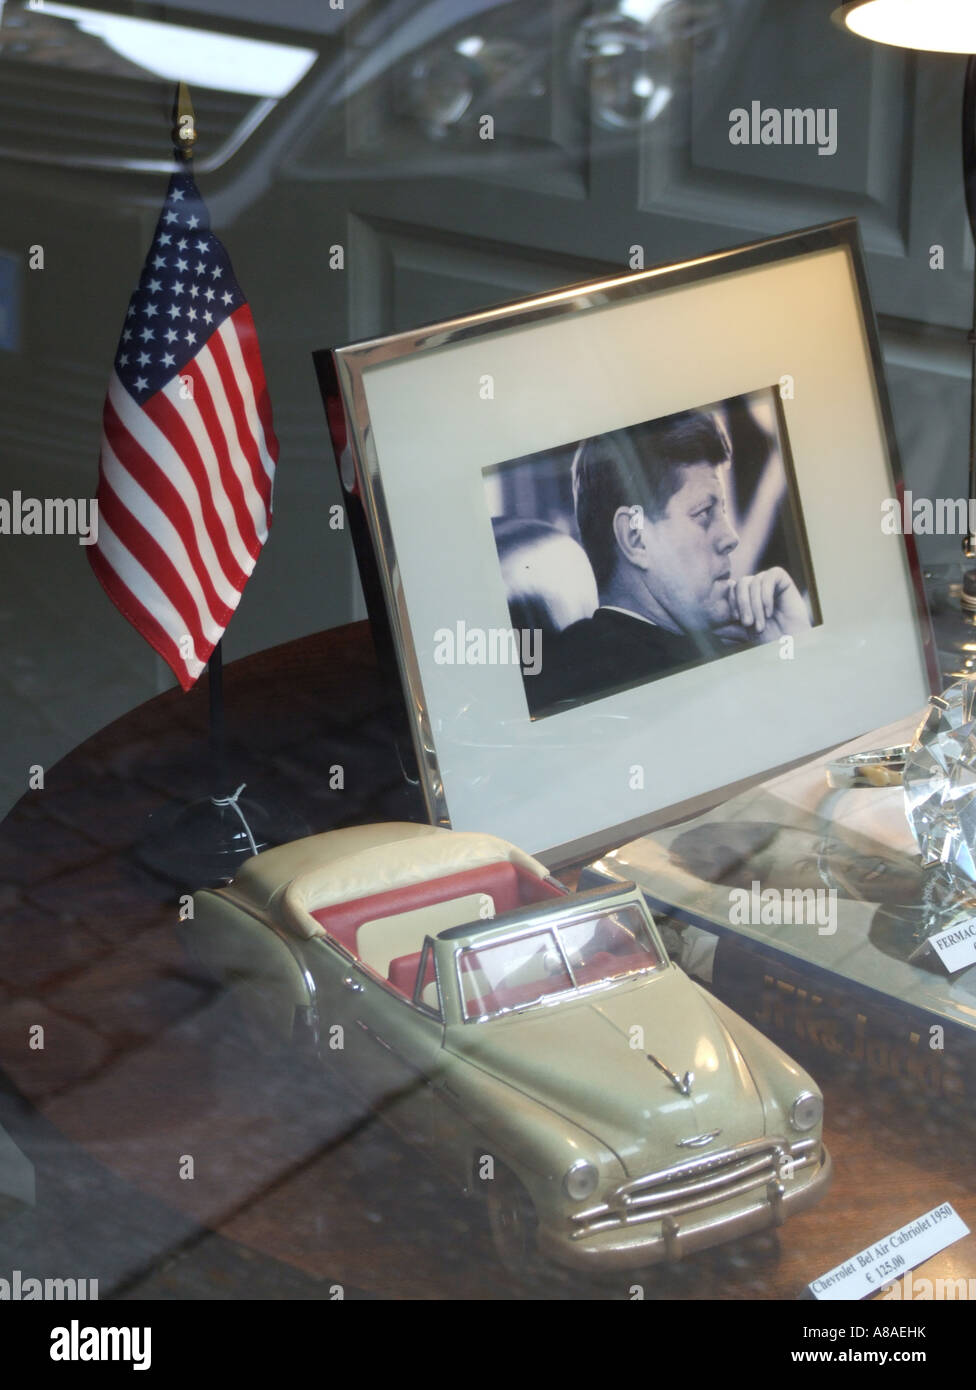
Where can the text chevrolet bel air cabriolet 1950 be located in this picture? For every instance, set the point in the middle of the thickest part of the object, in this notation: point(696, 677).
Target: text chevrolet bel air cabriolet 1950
point(539, 1044)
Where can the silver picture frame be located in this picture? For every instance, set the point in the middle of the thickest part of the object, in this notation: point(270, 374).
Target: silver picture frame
point(392, 405)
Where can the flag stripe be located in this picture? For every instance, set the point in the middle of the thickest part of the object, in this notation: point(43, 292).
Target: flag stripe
point(180, 421)
point(124, 578)
point(157, 526)
point(172, 502)
point(211, 402)
point(172, 451)
point(258, 487)
point(137, 541)
point(241, 341)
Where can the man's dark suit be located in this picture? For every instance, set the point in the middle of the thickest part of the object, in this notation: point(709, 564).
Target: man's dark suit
point(608, 652)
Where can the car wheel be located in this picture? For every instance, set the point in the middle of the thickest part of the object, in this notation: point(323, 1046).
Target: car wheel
point(513, 1223)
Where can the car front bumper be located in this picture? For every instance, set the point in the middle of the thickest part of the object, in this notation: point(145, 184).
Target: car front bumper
point(638, 1240)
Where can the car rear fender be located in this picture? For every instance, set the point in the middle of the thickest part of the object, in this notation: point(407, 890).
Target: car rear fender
point(252, 958)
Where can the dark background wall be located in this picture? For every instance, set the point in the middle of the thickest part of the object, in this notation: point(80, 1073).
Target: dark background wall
point(611, 130)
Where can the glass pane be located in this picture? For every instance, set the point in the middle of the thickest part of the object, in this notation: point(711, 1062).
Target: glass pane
point(511, 973)
point(605, 947)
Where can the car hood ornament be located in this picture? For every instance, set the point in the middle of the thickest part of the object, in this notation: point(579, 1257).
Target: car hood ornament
point(698, 1141)
point(682, 1084)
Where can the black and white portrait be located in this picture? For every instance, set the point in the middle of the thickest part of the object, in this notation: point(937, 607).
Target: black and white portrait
point(646, 550)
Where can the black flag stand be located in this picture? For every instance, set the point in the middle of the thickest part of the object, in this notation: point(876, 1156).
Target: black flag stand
point(204, 842)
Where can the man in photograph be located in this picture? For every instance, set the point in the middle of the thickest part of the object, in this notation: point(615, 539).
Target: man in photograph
point(652, 513)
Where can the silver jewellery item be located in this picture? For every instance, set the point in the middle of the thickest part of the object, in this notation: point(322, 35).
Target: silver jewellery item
point(940, 781)
point(938, 773)
point(878, 767)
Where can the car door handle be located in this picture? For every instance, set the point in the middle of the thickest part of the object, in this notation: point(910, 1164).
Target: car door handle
point(353, 985)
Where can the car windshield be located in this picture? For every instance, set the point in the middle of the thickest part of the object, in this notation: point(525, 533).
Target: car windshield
point(554, 960)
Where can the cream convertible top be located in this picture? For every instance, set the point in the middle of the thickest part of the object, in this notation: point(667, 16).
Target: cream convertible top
point(339, 866)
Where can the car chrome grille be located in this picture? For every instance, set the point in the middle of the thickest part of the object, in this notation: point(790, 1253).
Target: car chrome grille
point(701, 1182)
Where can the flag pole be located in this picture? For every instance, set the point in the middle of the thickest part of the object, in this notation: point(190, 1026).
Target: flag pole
point(215, 682)
point(184, 124)
point(184, 139)
point(205, 841)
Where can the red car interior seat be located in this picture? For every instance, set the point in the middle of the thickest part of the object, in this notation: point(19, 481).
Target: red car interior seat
point(403, 974)
point(379, 891)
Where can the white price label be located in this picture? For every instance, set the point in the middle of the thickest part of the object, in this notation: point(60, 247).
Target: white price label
point(889, 1259)
point(957, 945)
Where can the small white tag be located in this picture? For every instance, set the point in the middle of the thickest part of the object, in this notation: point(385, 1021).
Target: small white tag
point(957, 946)
point(892, 1257)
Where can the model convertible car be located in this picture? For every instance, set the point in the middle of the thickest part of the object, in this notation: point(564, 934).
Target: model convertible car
point(538, 1043)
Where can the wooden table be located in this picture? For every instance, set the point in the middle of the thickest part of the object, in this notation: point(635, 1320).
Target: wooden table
point(147, 1087)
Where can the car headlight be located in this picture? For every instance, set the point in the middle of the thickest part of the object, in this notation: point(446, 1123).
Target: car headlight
point(581, 1181)
point(806, 1112)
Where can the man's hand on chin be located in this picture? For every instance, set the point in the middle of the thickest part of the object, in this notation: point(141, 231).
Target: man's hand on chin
point(764, 607)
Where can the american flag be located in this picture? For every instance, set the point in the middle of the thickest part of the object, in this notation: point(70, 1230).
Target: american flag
point(188, 449)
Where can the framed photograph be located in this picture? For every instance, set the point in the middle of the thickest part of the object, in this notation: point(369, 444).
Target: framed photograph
point(624, 542)
point(620, 600)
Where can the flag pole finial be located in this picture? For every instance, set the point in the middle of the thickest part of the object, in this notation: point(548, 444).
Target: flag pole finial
point(184, 123)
